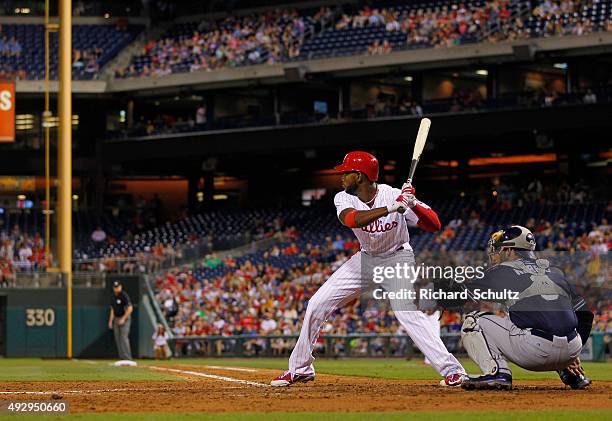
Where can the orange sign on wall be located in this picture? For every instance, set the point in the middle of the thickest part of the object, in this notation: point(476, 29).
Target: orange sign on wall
point(7, 111)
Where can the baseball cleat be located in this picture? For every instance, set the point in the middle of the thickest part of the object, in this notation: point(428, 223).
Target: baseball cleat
point(288, 378)
point(499, 381)
point(453, 380)
point(573, 381)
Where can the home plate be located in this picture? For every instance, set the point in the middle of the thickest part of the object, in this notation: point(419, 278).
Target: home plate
point(125, 363)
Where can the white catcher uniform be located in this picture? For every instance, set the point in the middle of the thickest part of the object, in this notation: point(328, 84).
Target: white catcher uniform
point(386, 241)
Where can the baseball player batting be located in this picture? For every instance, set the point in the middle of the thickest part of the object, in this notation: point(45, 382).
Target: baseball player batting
point(379, 215)
point(547, 322)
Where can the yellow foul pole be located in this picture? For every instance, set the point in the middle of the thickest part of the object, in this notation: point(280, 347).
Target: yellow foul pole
point(65, 155)
point(46, 116)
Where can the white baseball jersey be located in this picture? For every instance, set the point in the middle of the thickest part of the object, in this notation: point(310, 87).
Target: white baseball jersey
point(386, 234)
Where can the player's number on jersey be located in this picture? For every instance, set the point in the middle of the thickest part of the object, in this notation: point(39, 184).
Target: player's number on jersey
point(40, 317)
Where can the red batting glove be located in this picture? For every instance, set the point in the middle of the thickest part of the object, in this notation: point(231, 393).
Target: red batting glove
point(408, 189)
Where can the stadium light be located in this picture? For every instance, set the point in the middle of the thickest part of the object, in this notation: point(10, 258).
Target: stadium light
point(24, 121)
point(408, 78)
point(482, 72)
point(562, 66)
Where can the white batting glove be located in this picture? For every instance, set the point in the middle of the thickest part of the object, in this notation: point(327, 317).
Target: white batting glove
point(408, 192)
point(409, 200)
point(398, 205)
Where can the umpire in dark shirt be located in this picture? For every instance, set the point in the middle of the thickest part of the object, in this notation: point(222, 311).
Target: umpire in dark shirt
point(119, 320)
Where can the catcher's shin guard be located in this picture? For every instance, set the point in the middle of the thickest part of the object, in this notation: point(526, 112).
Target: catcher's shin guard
point(475, 344)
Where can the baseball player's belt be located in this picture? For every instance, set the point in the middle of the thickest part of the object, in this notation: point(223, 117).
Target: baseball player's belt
point(549, 336)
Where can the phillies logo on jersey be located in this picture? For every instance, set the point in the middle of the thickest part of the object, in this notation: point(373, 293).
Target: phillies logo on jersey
point(378, 226)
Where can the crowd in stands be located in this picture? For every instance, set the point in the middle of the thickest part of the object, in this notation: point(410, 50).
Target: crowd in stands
point(9, 47)
point(443, 26)
point(145, 246)
point(8, 72)
point(267, 298)
point(567, 17)
point(279, 35)
point(87, 60)
point(20, 252)
point(22, 50)
point(124, 259)
point(232, 42)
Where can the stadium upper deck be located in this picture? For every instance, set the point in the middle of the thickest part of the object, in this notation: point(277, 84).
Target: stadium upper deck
point(392, 33)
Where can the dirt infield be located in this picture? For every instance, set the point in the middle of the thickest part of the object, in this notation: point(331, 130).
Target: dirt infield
point(209, 389)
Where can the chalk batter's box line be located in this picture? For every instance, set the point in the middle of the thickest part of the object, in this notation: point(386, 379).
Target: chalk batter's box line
point(173, 370)
point(69, 392)
point(220, 367)
point(210, 376)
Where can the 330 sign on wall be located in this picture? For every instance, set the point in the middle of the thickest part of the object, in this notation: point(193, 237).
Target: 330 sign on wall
point(40, 317)
point(7, 111)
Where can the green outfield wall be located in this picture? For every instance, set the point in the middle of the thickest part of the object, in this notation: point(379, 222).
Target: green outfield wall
point(34, 321)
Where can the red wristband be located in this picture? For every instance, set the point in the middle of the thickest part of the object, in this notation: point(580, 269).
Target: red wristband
point(349, 219)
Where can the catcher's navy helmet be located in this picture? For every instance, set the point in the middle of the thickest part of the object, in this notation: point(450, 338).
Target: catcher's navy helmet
point(515, 237)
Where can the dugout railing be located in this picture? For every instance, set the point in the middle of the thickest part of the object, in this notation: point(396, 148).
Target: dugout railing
point(356, 345)
point(41, 279)
point(329, 346)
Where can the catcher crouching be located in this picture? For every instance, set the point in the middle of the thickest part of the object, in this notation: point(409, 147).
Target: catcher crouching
point(546, 325)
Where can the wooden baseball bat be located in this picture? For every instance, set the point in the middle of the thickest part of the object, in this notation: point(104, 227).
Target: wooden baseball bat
point(418, 147)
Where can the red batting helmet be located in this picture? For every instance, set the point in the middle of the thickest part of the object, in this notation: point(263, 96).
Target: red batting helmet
point(362, 162)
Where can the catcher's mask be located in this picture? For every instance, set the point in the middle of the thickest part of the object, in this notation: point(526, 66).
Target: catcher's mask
point(516, 237)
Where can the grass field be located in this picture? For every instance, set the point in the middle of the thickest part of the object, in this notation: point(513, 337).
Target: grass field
point(33, 370)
